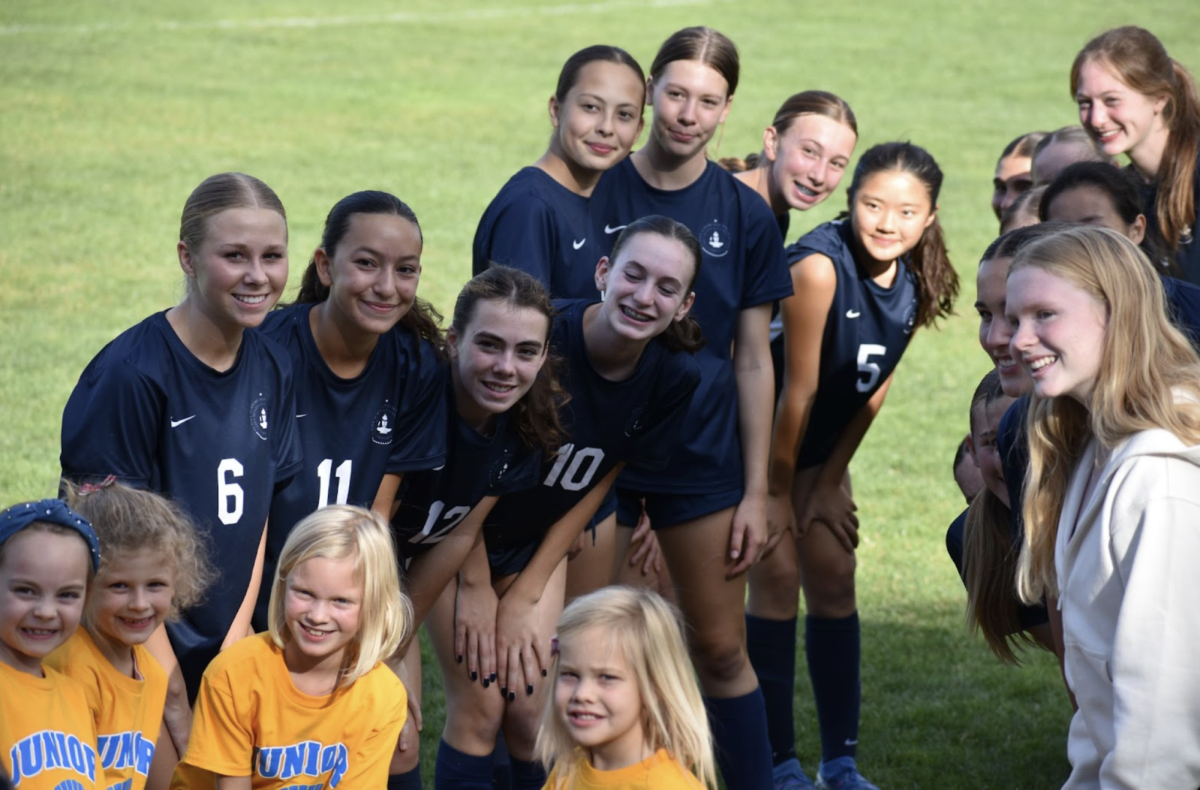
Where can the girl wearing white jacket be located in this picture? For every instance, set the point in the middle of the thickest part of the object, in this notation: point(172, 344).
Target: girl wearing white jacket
point(1112, 507)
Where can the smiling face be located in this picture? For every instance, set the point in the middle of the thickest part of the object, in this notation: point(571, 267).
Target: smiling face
point(1089, 205)
point(1058, 333)
point(647, 287)
point(43, 581)
point(690, 99)
point(1013, 176)
point(373, 274)
point(600, 118)
point(1122, 120)
point(322, 603)
point(994, 329)
point(496, 358)
point(240, 269)
point(809, 159)
point(597, 697)
point(889, 213)
point(131, 597)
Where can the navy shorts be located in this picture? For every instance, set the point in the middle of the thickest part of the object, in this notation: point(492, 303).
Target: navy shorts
point(667, 510)
point(507, 560)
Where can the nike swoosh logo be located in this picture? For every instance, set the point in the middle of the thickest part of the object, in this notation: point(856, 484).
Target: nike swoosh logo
point(609, 229)
point(177, 423)
point(578, 244)
point(852, 314)
point(298, 416)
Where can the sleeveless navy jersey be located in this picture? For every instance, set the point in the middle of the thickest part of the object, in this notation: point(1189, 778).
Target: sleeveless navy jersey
point(743, 267)
point(432, 502)
point(1188, 253)
point(866, 332)
point(954, 542)
point(1013, 445)
point(389, 419)
point(151, 413)
point(637, 421)
point(537, 225)
point(1183, 307)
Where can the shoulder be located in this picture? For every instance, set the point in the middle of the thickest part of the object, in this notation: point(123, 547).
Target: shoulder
point(830, 239)
point(1153, 465)
point(246, 657)
point(668, 774)
point(381, 687)
point(282, 321)
point(530, 190)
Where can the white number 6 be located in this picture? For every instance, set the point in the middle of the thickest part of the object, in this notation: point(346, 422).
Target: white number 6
point(229, 513)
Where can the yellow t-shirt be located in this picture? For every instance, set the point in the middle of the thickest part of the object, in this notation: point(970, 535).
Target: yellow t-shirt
point(47, 732)
point(251, 721)
point(129, 711)
point(656, 772)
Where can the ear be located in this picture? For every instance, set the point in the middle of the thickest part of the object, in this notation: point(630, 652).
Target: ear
point(324, 267)
point(603, 269)
point(682, 312)
point(932, 219)
point(725, 111)
point(1137, 231)
point(1160, 104)
point(185, 259)
point(971, 448)
point(452, 343)
point(771, 143)
point(553, 108)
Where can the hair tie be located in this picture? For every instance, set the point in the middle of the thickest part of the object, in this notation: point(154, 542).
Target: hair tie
point(91, 488)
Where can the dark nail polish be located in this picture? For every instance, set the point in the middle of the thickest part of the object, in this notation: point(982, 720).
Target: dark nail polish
point(458, 659)
point(492, 677)
point(474, 675)
point(504, 691)
point(543, 673)
point(529, 690)
point(512, 695)
point(486, 683)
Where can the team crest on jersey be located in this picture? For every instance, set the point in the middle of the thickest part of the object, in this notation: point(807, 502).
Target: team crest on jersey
point(716, 239)
point(636, 422)
point(383, 428)
point(260, 417)
point(501, 468)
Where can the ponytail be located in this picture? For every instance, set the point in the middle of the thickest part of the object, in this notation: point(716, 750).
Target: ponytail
point(684, 335)
point(937, 282)
point(1175, 204)
point(732, 164)
point(990, 572)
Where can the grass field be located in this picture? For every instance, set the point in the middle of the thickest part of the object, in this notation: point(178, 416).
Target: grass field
point(111, 113)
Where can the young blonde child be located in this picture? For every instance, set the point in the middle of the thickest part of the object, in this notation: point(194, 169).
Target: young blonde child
point(310, 702)
point(154, 566)
point(48, 554)
point(626, 711)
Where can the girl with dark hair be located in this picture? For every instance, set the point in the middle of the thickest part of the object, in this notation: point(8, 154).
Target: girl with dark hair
point(709, 508)
point(630, 374)
point(862, 284)
point(1135, 100)
point(1014, 171)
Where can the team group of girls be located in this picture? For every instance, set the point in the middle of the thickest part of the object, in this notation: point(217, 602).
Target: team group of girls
point(606, 385)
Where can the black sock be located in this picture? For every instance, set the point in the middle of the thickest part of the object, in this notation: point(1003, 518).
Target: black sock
point(739, 728)
point(457, 770)
point(833, 648)
point(772, 648)
point(409, 780)
point(526, 775)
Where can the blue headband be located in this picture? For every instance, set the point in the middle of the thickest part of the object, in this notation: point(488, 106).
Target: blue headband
point(49, 511)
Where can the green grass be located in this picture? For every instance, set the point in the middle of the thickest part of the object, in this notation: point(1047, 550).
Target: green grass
point(111, 113)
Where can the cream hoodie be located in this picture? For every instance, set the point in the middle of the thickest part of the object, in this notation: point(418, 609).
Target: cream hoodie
point(1128, 564)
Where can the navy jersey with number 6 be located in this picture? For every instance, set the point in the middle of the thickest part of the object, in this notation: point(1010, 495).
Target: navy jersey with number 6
point(637, 421)
point(151, 413)
point(866, 332)
point(743, 267)
point(433, 502)
point(389, 419)
point(537, 225)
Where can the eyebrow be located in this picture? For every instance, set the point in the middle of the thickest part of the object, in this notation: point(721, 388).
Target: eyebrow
point(378, 254)
point(634, 263)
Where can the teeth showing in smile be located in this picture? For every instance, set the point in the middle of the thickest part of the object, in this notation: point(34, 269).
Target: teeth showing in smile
point(803, 190)
point(252, 300)
point(501, 388)
point(137, 623)
point(1038, 364)
point(635, 315)
point(314, 632)
point(39, 632)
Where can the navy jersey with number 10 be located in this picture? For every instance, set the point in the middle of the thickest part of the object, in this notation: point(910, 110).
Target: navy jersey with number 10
point(217, 442)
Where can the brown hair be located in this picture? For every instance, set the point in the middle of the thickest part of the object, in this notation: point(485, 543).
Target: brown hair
point(1138, 59)
point(710, 47)
point(219, 193)
point(823, 103)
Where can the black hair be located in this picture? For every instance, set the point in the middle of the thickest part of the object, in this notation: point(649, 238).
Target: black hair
point(603, 53)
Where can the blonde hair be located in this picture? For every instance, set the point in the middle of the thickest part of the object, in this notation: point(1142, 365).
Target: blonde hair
point(128, 520)
point(385, 615)
point(1149, 377)
point(647, 629)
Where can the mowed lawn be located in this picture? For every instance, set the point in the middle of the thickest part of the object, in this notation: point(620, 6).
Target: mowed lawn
point(111, 113)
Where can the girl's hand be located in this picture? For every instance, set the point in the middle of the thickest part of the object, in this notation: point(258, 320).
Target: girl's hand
point(749, 534)
point(522, 651)
point(831, 504)
point(781, 521)
point(643, 546)
point(413, 721)
point(475, 630)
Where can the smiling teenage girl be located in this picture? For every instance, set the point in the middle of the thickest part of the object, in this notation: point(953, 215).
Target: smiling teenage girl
point(1135, 100)
point(862, 285)
point(708, 509)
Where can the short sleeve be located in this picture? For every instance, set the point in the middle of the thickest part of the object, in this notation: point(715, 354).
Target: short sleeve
point(288, 450)
point(521, 235)
point(420, 441)
point(111, 424)
point(221, 740)
point(767, 275)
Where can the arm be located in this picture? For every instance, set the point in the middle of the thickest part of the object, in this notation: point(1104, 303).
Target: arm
point(522, 654)
point(804, 314)
point(241, 627)
point(177, 714)
point(385, 497)
point(233, 783)
point(755, 382)
point(475, 616)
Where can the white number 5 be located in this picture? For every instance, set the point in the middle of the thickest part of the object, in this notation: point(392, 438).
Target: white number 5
point(866, 351)
point(229, 493)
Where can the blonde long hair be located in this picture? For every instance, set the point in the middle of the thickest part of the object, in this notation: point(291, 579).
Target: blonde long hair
point(338, 532)
point(647, 629)
point(1149, 378)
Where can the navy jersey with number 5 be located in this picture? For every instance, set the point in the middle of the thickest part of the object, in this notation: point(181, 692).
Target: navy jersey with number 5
point(743, 267)
point(433, 502)
point(866, 332)
point(151, 413)
point(389, 419)
point(637, 421)
point(537, 225)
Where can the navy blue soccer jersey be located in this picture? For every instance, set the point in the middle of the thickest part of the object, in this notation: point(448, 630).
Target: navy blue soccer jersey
point(389, 419)
point(866, 332)
point(743, 267)
point(218, 443)
point(637, 421)
point(537, 225)
point(1187, 256)
point(433, 502)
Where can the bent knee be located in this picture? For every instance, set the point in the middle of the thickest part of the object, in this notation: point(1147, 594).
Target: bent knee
point(720, 659)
